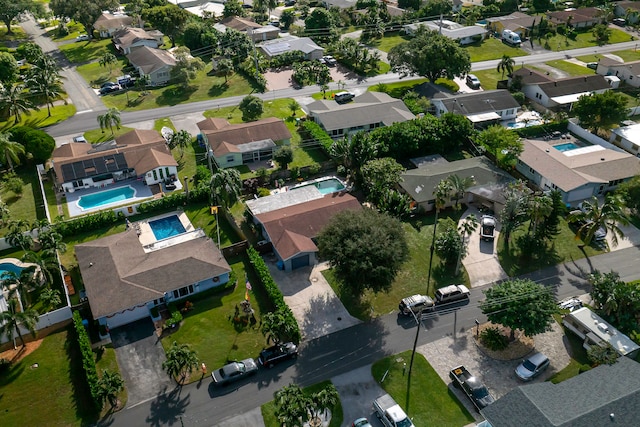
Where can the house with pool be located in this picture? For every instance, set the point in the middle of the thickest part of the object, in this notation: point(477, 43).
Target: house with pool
point(155, 261)
point(241, 143)
point(141, 155)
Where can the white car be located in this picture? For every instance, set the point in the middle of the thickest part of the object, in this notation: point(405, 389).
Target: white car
point(571, 304)
point(82, 37)
point(487, 227)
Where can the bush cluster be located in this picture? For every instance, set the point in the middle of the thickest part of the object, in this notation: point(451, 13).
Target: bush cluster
point(88, 361)
point(273, 291)
point(88, 222)
point(197, 194)
point(287, 58)
point(548, 128)
point(493, 339)
point(314, 131)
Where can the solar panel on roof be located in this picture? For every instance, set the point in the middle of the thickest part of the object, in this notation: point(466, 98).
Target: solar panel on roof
point(92, 167)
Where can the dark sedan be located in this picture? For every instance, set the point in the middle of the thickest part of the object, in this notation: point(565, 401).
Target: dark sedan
point(234, 371)
point(277, 353)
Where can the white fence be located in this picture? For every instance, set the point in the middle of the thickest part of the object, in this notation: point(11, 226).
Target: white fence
point(46, 320)
point(574, 128)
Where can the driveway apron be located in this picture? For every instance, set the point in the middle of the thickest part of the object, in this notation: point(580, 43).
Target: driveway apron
point(140, 356)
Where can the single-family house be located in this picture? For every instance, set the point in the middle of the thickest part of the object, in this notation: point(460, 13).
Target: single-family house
point(628, 10)
point(108, 23)
point(490, 181)
point(254, 30)
point(603, 396)
point(293, 219)
point(518, 22)
point(584, 17)
point(461, 33)
point(139, 154)
point(272, 48)
point(129, 39)
point(481, 108)
point(154, 64)
point(627, 138)
point(556, 94)
point(206, 10)
point(368, 111)
point(578, 172)
point(342, 4)
point(237, 144)
point(127, 274)
point(628, 72)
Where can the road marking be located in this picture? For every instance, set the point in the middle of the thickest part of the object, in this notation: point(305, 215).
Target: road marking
point(84, 111)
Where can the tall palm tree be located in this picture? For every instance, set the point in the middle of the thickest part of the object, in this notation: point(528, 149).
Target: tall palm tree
point(47, 83)
point(593, 216)
point(50, 299)
point(293, 107)
point(109, 119)
point(17, 235)
point(540, 207)
point(19, 285)
point(10, 150)
point(226, 186)
point(291, 406)
point(107, 60)
point(46, 260)
point(181, 361)
point(466, 227)
point(181, 139)
point(109, 385)
point(319, 402)
point(441, 194)
point(506, 64)
point(12, 319)
point(15, 101)
point(458, 187)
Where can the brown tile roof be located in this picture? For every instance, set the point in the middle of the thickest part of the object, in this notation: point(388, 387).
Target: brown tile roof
point(108, 21)
point(514, 20)
point(118, 274)
point(149, 59)
point(144, 161)
point(236, 134)
point(530, 76)
point(625, 5)
point(571, 172)
point(291, 229)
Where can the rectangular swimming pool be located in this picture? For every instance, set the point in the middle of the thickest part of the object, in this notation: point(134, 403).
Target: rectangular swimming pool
point(107, 197)
point(166, 227)
point(324, 185)
point(566, 146)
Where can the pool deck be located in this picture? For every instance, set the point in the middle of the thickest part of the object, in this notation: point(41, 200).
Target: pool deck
point(142, 191)
point(146, 236)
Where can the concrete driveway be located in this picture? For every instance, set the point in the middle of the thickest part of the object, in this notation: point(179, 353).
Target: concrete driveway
point(358, 389)
point(631, 238)
point(481, 262)
point(140, 356)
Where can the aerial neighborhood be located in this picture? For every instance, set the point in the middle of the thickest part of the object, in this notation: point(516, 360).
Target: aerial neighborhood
point(333, 213)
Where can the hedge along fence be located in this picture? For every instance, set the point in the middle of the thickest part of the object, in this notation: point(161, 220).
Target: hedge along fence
point(88, 222)
point(541, 130)
point(313, 130)
point(262, 271)
point(88, 360)
point(199, 194)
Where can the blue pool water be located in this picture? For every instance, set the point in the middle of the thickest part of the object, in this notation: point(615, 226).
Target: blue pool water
point(327, 186)
point(566, 146)
point(7, 267)
point(167, 227)
point(106, 197)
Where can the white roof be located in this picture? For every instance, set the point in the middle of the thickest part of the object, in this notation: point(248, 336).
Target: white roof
point(630, 133)
point(484, 117)
point(598, 327)
point(568, 99)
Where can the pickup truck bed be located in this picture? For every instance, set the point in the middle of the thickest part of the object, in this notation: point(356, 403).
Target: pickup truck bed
point(471, 386)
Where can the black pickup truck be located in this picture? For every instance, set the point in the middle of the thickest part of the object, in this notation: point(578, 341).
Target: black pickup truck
point(472, 387)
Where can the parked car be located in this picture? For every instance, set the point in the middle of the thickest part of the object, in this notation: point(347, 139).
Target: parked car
point(289, 3)
point(108, 84)
point(487, 227)
point(451, 293)
point(79, 138)
point(361, 422)
point(620, 22)
point(601, 232)
point(473, 82)
point(277, 353)
point(82, 37)
point(532, 367)
point(571, 304)
point(330, 60)
point(126, 81)
point(234, 371)
point(341, 97)
point(415, 304)
point(592, 65)
point(109, 89)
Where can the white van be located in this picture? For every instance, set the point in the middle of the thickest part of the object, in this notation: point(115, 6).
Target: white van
point(511, 38)
point(344, 96)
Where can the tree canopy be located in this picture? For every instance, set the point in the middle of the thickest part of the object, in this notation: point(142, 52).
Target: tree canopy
point(520, 304)
point(9, 69)
point(82, 11)
point(320, 26)
point(35, 141)
point(170, 19)
point(252, 108)
point(601, 110)
point(430, 55)
point(365, 248)
point(187, 67)
point(615, 300)
point(503, 143)
point(11, 9)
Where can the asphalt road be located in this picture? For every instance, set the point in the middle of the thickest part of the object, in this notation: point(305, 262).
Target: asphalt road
point(341, 352)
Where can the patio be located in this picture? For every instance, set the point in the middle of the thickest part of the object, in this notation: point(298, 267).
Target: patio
point(142, 191)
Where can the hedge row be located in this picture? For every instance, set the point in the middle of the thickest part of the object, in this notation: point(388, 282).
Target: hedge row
point(198, 194)
point(89, 222)
point(540, 130)
point(316, 132)
point(88, 361)
point(273, 291)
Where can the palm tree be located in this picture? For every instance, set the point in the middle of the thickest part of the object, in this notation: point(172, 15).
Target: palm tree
point(50, 299)
point(46, 260)
point(181, 139)
point(109, 119)
point(107, 60)
point(47, 83)
point(594, 216)
point(466, 227)
point(276, 328)
point(10, 150)
point(540, 207)
point(20, 284)
point(181, 361)
point(506, 65)
point(293, 107)
point(458, 187)
point(319, 402)
point(441, 193)
point(291, 406)
point(225, 68)
point(4, 213)
point(515, 211)
point(109, 385)
point(50, 239)
point(13, 99)
point(226, 186)
point(17, 236)
point(12, 319)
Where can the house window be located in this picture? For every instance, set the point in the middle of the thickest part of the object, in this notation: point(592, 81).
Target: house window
point(167, 172)
point(161, 173)
point(78, 183)
point(531, 170)
point(183, 292)
point(155, 175)
point(229, 159)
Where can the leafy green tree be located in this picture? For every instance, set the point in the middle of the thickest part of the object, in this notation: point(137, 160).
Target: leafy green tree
point(394, 203)
point(109, 385)
point(503, 143)
point(287, 18)
point(277, 328)
point(601, 110)
point(235, 45)
point(409, 4)
point(283, 155)
point(9, 69)
point(629, 192)
point(593, 215)
point(436, 8)
point(11, 9)
point(181, 139)
point(31, 52)
point(107, 60)
point(310, 72)
point(233, 8)
point(381, 174)
point(50, 299)
point(602, 354)
point(17, 236)
point(520, 304)
point(181, 361)
point(448, 243)
point(430, 55)
point(365, 248)
point(187, 66)
point(82, 11)
point(615, 300)
point(13, 99)
point(602, 33)
point(109, 119)
point(321, 26)
point(226, 186)
point(324, 399)
point(506, 65)
point(170, 19)
point(198, 35)
point(251, 107)
point(13, 318)
point(225, 68)
point(10, 150)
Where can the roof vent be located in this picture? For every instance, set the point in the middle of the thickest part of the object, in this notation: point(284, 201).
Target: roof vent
point(604, 328)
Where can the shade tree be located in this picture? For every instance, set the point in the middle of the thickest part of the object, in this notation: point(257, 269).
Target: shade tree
point(601, 110)
point(181, 361)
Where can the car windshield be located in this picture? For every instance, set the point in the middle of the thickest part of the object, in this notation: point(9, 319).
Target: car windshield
point(528, 365)
point(480, 392)
point(404, 423)
point(241, 367)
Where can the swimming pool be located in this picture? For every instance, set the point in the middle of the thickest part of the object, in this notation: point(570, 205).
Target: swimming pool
point(567, 146)
point(12, 265)
point(520, 125)
point(326, 185)
point(166, 227)
point(107, 197)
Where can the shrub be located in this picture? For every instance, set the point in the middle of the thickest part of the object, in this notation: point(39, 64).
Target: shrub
point(315, 132)
point(263, 192)
point(519, 96)
point(88, 360)
point(88, 222)
point(174, 320)
point(544, 129)
point(493, 339)
point(4, 365)
point(198, 194)
point(15, 185)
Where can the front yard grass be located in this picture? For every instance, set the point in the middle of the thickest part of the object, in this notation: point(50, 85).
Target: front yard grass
point(95, 74)
point(209, 327)
point(489, 78)
point(40, 118)
point(390, 39)
point(268, 409)
point(492, 49)
point(570, 68)
point(431, 402)
point(585, 39)
point(106, 360)
point(86, 51)
point(29, 205)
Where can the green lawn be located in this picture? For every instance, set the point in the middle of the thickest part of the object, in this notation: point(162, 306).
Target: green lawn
point(431, 402)
point(269, 408)
point(106, 359)
point(411, 278)
point(209, 327)
point(95, 74)
point(489, 78)
point(18, 33)
point(586, 39)
point(95, 136)
point(38, 119)
point(626, 55)
point(86, 51)
point(29, 205)
point(579, 359)
point(570, 68)
point(492, 49)
point(54, 393)
point(389, 40)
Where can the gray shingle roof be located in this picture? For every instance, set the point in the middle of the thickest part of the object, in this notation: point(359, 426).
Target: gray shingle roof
point(573, 85)
point(479, 102)
point(586, 400)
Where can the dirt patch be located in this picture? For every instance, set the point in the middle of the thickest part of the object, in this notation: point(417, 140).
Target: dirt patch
point(521, 346)
point(21, 352)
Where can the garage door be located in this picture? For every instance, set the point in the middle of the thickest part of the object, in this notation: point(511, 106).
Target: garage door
point(128, 316)
point(301, 261)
